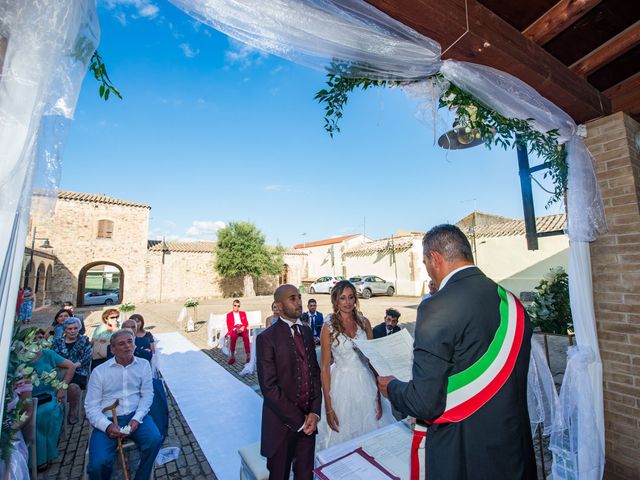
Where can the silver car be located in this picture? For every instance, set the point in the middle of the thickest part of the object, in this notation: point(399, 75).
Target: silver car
point(101, 298)
point(368, 285)
point(324, 284)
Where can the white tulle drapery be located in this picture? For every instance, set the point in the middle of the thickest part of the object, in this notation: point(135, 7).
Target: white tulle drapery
point(317, 33)
point(48, 47)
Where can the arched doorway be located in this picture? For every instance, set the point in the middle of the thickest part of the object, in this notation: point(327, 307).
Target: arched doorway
point(39, 286)
point(285, 274)
point(100, 283)
point(48, 279)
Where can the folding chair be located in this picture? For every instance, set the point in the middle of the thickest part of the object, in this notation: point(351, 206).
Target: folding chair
point(217, 329)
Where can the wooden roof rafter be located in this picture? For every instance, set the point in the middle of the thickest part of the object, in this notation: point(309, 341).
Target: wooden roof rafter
point(557, 19)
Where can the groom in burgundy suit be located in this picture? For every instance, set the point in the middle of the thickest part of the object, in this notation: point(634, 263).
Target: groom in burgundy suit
point(289, 378)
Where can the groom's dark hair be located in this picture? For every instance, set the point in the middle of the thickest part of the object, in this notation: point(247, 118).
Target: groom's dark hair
point(448, 241)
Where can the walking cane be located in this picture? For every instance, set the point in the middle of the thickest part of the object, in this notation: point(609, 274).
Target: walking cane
point(114, 417)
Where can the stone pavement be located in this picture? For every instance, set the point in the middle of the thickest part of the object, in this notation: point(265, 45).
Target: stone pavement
point(163, 318)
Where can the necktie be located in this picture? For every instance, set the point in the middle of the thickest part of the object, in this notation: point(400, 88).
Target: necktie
point(303, 399)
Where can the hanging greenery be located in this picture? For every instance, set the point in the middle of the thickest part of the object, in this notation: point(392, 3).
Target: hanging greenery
point(99, 70)
point(550, 310)
point(477, 119)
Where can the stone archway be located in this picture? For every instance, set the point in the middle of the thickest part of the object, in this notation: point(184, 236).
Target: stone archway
point(39, 286)
point(91, 273)
point(48, 279)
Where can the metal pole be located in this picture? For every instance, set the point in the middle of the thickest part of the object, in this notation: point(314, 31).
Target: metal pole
point(28, 270)
point(527, 195)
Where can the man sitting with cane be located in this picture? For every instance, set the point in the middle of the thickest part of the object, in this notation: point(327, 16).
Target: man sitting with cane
point(123, 383)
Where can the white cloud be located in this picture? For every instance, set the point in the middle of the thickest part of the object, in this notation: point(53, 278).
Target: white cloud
point(275, 188)
point(204, 229)
point(133, 8)
point(188, 51)
point(243, 55)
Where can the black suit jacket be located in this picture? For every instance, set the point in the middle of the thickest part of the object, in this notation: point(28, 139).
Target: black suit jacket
point(279, 382)
point(380, 330)
point(453, 329)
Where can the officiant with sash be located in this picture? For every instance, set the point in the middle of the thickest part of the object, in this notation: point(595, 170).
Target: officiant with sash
point(469, 385)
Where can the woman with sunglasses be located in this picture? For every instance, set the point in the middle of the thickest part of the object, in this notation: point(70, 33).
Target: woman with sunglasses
point(102, 335)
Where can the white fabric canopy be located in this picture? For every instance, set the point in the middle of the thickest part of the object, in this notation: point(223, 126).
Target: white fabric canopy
point(49, 44)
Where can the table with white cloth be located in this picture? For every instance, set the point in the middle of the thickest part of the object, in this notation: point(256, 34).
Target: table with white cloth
point(390, 446)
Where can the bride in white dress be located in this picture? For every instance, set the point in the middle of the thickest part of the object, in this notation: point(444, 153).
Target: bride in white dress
point(352, 402)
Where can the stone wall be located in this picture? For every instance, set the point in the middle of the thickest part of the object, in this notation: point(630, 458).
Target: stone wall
point(73, 231)
point(615, 259)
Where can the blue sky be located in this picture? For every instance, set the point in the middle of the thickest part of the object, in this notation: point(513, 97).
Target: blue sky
point(211, 131)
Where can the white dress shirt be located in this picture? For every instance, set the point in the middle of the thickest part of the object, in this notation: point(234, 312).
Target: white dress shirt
point(131, 385)
point(451, 274)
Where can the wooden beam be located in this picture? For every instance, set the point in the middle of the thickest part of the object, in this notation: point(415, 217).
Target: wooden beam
point(609, 51)
point(625, 96)
point(493, 42)
point(557, 19)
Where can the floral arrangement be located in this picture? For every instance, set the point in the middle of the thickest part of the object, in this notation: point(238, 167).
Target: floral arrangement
point(191, 303)
point(24, 348)
point(550, 310)
point(127, 307)
point(477, 119)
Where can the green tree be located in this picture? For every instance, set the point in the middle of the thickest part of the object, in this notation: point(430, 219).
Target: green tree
point(241, 251)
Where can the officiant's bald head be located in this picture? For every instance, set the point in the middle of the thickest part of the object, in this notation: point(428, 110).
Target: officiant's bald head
point(289, 301)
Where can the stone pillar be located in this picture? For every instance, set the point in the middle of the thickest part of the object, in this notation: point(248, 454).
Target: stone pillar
point(615, 259)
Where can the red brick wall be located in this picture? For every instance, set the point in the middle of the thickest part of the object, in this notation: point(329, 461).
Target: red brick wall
point(615, 259)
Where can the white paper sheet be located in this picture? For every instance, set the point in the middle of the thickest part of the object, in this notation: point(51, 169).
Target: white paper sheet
point(354, 467)
point(390, 355)
point(385, 449)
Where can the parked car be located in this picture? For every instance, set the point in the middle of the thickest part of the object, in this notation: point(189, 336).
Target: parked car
point(101, 298)
point(368, 285)
point(324, 284)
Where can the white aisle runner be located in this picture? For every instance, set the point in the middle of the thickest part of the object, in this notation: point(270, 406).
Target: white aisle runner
point(223, 413)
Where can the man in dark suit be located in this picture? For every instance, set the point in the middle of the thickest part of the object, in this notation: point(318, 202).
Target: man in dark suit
point(314, 319)
point(390, 324)
point(289, 378)
point(454, 328)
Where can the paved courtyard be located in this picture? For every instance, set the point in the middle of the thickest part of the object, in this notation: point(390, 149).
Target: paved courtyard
point(161, 318)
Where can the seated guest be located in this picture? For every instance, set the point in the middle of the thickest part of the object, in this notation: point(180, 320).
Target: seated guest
point(313, 318)
point(273, 318)
point(390, 324)
point(102, 334)
point(238, 326)
point(139, 351)
point(68, 306)
point(57, 327)
point(49, 416)
point(144, 340)
point(77, 348)
point(128, 379)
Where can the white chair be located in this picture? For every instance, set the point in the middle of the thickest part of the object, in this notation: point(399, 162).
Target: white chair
point(253, 466)
point(254, 317)
point(217, 329)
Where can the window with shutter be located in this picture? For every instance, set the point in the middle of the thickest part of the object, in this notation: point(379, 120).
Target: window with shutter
point(105, 229)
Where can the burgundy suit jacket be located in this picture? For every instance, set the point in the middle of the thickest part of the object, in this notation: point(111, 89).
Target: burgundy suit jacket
point(231, 323)
point(280, 384)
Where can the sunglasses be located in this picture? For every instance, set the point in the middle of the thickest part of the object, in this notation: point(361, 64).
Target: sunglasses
point(112, 318)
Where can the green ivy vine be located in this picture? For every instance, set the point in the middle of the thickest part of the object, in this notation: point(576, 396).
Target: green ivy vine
point(471, 114)
point(99, 70)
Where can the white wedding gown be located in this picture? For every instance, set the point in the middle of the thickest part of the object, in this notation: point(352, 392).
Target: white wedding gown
point(353, 396)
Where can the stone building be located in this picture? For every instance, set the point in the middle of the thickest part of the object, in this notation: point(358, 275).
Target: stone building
point(326, 257)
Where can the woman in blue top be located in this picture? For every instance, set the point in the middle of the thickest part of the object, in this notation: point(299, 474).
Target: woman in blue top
point(57, 327)
point(49, 417)
point(144, 340)
point(78, 349)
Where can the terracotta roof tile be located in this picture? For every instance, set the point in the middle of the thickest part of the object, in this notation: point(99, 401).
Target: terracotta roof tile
point(400, 244)
point(96, 198)
point(182, 247)
point(328, 241)
point(514, 228)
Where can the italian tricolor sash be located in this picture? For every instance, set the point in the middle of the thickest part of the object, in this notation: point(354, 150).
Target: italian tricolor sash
point(470, 389)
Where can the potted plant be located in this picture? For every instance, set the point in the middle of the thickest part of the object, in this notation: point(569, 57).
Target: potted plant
point(124, 309)
point(192, 303)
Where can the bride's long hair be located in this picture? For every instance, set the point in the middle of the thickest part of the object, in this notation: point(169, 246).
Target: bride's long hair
point(336, 320)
